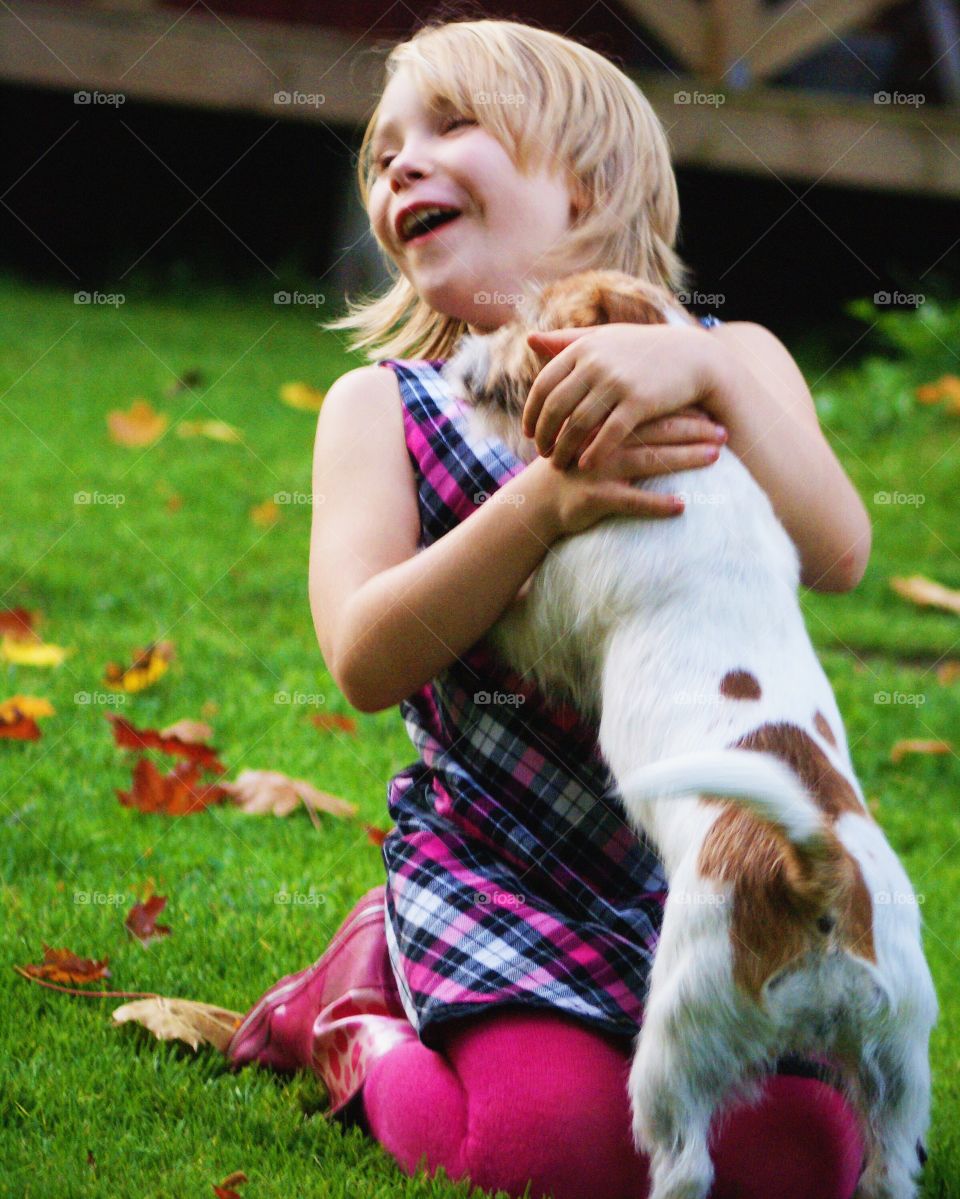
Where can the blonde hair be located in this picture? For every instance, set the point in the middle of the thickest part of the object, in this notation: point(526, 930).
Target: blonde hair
point(578, 108)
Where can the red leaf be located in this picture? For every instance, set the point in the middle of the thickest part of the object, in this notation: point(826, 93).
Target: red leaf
point(62, 966)
point(141, 921)
point(225, 1189)
point(129, 737)
point(18, 624)
point(175, 794)
point(333, 720)
point(376, 835)
point(19, 727)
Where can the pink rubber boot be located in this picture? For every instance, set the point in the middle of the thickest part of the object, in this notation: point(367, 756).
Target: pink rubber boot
point(334, 1017)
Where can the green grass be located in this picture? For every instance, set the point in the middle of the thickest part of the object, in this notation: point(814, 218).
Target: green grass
point(159, 1120)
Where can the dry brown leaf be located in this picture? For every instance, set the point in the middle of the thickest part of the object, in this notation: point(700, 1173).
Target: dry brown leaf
point(63, 966)
point(927, 593)
point(142, 425)
point(186, 1020)
point(902, 748)
point(948, 672)
point(19, 624)
point(193, 732)
point(259, 791)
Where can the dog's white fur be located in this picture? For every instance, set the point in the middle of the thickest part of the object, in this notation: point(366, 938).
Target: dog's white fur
point(638, 622)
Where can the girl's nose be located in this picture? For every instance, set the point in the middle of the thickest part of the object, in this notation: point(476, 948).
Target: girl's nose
point(405, 170)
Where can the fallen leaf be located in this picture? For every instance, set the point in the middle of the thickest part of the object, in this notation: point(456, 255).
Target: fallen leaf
point(376, 835)
point(333, 720)
point(19, 715)
point(142, 425)
point(141, 921)
point(193, 732)
point(128, 737)
point(31, 653)
point(259, 791)
point(266, 514)
point(948, 672)
point(302, 396)
point(174, 502)
point(225, 1189)
point(902, 748)
point(182, 1020)
point(178, 793)
point(148, 665)
point(63, 966)
point(216, 430)
point(18, 624)
point(947, 387)
point(927, 593)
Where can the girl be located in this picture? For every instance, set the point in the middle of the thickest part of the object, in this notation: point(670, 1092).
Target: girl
point(478, 1012)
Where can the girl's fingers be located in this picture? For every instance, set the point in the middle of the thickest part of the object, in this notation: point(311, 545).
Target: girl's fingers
point(638, 501)
point(647, 461)
point(581, 426)
point(565, 399)
point(549, 377)
point(676, 430)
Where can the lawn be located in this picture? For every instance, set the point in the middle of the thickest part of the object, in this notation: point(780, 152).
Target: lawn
point(169, 550)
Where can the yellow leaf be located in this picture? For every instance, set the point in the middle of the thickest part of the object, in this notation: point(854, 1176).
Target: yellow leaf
point(32, 653)
point(265, 514)
point(148, 665)
point(140, 426)
point(947, 387)
point(302, 396)
point(182, 1020)
point(216, 430)
point(26, 705)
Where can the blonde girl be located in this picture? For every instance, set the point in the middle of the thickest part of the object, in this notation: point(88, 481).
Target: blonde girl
point(477, 1012)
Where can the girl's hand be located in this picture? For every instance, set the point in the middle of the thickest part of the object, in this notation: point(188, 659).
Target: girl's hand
point(606, 380)
point(574, 499)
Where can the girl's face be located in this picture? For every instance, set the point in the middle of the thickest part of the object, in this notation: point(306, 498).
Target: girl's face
point(474, 267)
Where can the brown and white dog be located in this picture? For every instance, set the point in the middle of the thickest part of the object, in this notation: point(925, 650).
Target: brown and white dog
point(790, 925)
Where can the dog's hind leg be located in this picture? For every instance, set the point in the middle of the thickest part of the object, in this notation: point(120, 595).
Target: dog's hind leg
point(896, 1091)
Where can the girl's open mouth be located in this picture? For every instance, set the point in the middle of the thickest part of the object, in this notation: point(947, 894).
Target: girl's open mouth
point(434, 228)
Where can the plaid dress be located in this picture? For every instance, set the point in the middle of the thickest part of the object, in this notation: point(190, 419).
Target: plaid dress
point(512, 878)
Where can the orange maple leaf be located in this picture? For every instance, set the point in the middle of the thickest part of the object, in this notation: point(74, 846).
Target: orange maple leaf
point(63, 966)
point(178, 793)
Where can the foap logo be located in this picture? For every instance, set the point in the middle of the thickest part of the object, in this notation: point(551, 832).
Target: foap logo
point(702, 299)
point(900, 499)
point(108, 99)
point(303, 99)
point(900, 99)
point(300, 698)
point(304, 299)
point(709, 99)
point(899, 299)
point(898, 699)
point(297, 497)
point(507, 698)
point(111, 299)
point(110, 699)
point(510, 99)
point(106, 499)
point(304, 899)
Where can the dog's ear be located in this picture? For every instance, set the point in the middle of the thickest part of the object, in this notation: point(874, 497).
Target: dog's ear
point(630, 305)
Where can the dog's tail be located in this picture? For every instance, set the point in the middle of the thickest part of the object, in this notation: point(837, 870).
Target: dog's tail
point(761, 782)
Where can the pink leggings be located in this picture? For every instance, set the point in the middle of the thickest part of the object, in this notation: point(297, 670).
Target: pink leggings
point(522, 1095)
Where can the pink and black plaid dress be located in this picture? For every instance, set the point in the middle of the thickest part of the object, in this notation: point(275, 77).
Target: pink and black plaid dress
point(512, 873)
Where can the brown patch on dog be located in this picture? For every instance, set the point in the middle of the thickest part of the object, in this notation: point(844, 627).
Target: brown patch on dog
point(781, 893)
point(601, 298)
point(740, 684)
point(823, 728)
point(831, 792)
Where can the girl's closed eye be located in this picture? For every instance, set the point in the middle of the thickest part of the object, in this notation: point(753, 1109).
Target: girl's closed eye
point(448, 124)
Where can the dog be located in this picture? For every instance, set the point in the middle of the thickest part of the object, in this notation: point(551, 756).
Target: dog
point(790, 925)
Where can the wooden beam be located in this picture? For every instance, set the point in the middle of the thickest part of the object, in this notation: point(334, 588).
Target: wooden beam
point(734, 26)
point(177, 58)
point(680, 24)
point(804, 136)
point(795, 28)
